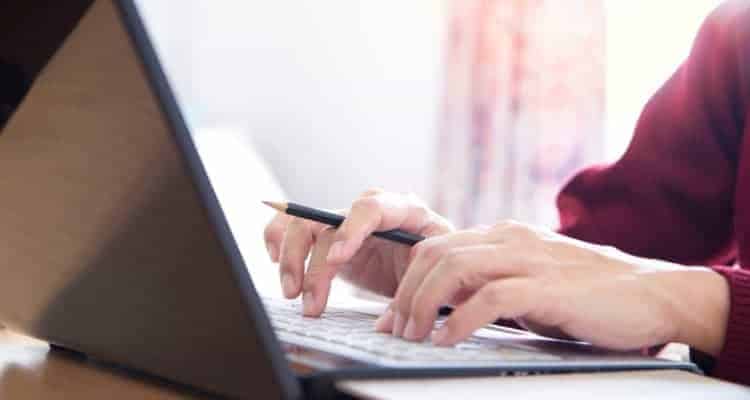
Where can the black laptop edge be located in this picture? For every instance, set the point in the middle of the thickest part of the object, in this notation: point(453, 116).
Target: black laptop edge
point(159, 84)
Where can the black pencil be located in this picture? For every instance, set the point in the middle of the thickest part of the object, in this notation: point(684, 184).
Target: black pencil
point(335, 220)
point(328, 218)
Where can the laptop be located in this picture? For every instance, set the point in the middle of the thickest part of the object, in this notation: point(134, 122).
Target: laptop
point(116, 246)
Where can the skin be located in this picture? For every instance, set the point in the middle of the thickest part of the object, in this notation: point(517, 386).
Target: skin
point(552, 284)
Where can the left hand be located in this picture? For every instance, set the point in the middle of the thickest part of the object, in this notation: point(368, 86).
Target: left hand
point(550, 283)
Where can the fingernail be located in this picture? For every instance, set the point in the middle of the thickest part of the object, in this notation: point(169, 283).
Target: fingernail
point(272, 252)
point(336, 252)
point(398, 325)
point(383, 323)
point(308, 303)
point(410, 332)
point(287, 284)
point(440, 337)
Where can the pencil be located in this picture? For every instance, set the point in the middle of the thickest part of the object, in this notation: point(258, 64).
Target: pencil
point(329, 218)
point(335, 220)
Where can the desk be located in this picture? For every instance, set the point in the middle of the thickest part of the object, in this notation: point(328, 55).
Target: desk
point(28, 370)
point(639, 385)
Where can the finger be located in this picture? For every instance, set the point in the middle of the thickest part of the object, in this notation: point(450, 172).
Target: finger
point(316, 285)
point(426, 256)
point(378, 212)
point(505, 298)
point(384, 323)
point(298, 239)
point(274, 235)
point(463, 270)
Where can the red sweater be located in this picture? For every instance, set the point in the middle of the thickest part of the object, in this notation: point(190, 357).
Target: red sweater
point(681, 192)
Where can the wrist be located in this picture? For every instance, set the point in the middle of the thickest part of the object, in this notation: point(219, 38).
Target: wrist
point(699, 307)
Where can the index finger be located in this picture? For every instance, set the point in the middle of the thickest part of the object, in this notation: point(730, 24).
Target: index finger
point(371, 213)
point(464, 269)
point(273, 235)
point(506, 298)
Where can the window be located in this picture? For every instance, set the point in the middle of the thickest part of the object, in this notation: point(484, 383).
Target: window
point(646, 41)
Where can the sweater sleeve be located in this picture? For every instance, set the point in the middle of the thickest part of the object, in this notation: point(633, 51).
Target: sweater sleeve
point(734, 361)
point(671, 195)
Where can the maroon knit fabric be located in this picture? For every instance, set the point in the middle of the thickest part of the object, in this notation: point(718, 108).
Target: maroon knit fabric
point(681, 192)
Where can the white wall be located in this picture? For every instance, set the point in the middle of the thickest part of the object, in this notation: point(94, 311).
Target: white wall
point(341, 95)
point(646, 41)
point(337, 95)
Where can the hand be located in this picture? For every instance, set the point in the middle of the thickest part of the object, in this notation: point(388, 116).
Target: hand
point(349, 251)
point(552, 283)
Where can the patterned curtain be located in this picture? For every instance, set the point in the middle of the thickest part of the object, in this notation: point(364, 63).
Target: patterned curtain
point(523, 108)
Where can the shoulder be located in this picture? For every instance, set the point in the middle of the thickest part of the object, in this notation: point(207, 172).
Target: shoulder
point(730, 21)
point(731, 12)
point(726, 34)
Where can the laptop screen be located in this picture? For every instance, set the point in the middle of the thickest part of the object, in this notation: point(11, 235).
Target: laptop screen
point(113, 243)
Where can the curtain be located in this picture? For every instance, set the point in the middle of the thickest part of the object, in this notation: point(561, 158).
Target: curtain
point(523, 106)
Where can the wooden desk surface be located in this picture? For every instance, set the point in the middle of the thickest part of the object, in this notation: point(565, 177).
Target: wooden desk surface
point(29, 370)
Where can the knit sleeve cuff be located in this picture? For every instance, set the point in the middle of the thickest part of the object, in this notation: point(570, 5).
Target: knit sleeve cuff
point(733, 362)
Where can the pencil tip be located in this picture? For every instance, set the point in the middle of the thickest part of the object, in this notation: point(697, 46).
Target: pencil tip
point(276, 205)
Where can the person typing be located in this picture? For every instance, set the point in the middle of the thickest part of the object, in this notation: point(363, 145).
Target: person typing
point(651, 249)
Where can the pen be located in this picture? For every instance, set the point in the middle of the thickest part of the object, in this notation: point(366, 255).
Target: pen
point(335, 220)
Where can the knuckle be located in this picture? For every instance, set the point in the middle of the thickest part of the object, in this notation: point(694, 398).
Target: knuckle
point(508, 224)
point(432, 253)
point(418, 312)
point(325, 236)
point(296, 225)
point(452, 258)
point(273, 231)
point(372, 192)
point(309, 284)
point(504, 224)
point(285, 266)
point(467, 278)
point(516, 229)
point(512, 227)
point(367, 204)
point(402, 302)
point(404, 307)
point(314, 279)
point(270, 233)
point(450, 264)
point(492, 294)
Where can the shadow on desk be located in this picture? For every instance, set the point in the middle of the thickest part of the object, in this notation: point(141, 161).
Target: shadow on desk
point(30, 370)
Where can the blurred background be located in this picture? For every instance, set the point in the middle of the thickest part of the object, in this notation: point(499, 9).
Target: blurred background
point(482, 107)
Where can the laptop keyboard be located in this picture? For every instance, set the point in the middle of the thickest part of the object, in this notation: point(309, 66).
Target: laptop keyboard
point(352, 334)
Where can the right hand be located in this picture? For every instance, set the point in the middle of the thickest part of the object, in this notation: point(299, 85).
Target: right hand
point(350, 252)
